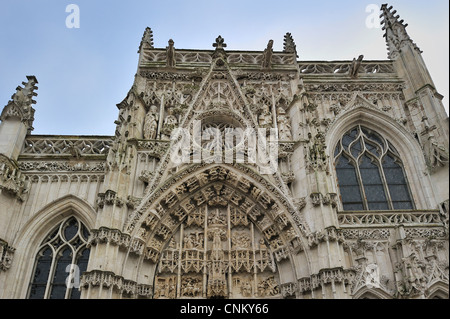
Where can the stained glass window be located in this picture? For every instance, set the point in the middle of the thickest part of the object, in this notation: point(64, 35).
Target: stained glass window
point(61, 260)
point(370, 173)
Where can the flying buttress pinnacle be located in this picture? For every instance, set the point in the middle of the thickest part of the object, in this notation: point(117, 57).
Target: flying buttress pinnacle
point(395, 31)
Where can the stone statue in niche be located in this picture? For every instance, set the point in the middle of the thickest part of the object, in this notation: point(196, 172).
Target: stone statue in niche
point(241, 241)
point(317, 152)
point(268, 287)
point(265, 118)
point(191, 287)
point(304, 98)
point(217, 240)
point(246, 288)
point(284, 128)
point(151, 123)
point(194, 241)
point(165, 288)
point(169, 124)
point(216, 218)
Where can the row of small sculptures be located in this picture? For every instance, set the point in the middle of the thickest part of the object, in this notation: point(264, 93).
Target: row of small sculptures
point(265, 120)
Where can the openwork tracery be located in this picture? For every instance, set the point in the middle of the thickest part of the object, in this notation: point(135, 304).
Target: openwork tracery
point(370, 172)
point(62, 258)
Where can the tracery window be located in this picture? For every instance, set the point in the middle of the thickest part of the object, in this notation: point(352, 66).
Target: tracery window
point(62, 258)
point(370, 172)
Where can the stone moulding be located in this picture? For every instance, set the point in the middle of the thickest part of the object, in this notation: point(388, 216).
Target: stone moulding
point(289, 289)
point(118, 238)
point(156, 57)
point(153, 148)
point(329, 234)
point(365, 233)
point(112, 236)
point(150, 198)
point(61, 166)
point(326, 276)
point(12, 180)
point(110, 280)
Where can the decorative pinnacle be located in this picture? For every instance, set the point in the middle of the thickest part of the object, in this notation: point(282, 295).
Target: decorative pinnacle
point(24, 96)
point(395, 32)
point(147, 39)
point(289, 44)
point(21, 102)
point(220, 43)
point(389, 18)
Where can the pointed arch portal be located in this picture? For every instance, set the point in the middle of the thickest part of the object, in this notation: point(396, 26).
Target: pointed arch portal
point(216, 233)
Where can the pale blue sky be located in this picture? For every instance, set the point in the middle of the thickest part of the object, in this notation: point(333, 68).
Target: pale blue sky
point(83, 73)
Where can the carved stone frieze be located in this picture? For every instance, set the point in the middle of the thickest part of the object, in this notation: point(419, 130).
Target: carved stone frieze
point(430, 217)
point(328, 199)
point(382, 233)
point(109, 280)
point(108, 235)
point(109, 198)
point(76, 147)
point(325, 277)
point(329, 234)
point(57, 166)
point(12, 180)
point(153, 148)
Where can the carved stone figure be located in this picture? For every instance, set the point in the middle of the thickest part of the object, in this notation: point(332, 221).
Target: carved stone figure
point(305, 103)
point(354, 67)
point(165, 287)
point(151, 123)
point(267, 56)
point(194, 241)
point(246, 288)
point(265, 118)
point(284, 127)
point(268, 287)
point(241, 241)
point(318, 158)
point(170, 54)
point(170, 123)
point(191, 287)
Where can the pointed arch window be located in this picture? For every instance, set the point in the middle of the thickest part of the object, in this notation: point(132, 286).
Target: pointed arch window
point(370, 172)
point(62, 258)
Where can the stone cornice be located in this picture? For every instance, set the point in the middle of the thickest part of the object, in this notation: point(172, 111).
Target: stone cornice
point(108, 279)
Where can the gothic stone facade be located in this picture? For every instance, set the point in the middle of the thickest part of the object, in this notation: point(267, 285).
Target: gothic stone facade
point(358, 207)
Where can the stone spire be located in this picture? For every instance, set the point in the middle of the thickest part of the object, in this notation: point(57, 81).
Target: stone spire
point(395, 32)
point(20, 104)
point(147, 39)
point(289, 44)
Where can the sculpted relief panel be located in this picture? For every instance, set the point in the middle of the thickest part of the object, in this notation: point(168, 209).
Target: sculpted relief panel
point(217, 253)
